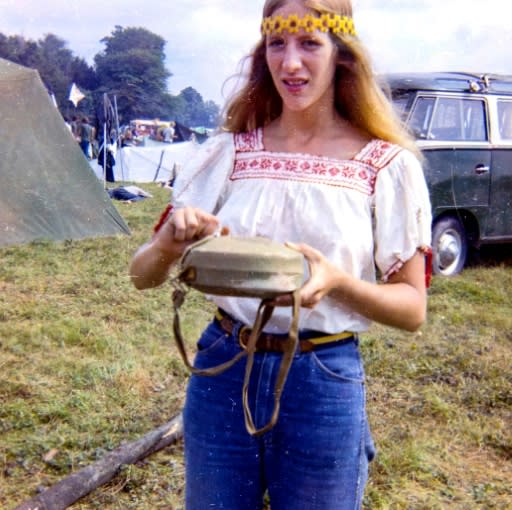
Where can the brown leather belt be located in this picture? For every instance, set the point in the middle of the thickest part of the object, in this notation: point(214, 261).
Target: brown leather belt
point(277, 343)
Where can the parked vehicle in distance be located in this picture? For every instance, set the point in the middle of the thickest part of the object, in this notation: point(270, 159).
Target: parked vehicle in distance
point(463, 124)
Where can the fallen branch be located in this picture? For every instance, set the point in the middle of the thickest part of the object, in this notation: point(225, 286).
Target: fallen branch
point(79, 484)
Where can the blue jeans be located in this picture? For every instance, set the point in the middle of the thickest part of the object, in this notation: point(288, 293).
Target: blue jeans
point(315, 458)
point(84, 145)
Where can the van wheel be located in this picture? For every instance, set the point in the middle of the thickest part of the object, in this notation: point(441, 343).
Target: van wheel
point(449, 246)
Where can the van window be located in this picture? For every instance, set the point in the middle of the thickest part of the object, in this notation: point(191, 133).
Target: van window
point(475, 126)
point(449, 119)
point(446, 123)
point(505, 119)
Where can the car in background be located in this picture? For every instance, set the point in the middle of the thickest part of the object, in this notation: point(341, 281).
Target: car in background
point(463, 126)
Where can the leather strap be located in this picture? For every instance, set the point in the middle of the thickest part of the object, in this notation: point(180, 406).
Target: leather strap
point(263, 315)
point(178, 298)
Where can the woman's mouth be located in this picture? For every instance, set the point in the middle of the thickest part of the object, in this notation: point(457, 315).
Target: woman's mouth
point(294, 85)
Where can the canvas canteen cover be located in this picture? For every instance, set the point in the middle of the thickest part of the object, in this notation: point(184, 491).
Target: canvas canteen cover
point(242, 266)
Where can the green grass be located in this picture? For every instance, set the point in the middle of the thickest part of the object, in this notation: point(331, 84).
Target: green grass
point(87, 362)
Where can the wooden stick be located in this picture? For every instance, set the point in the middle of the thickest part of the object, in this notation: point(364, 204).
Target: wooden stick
point(77, 485)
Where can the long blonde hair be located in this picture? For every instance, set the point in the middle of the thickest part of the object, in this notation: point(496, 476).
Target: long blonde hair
point(358, 96)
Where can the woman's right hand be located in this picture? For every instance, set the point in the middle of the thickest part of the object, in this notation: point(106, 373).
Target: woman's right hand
point(184, 227)
point(152, 262)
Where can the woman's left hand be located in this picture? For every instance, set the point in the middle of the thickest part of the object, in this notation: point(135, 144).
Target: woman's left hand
point(401, 302)
point(323, 276)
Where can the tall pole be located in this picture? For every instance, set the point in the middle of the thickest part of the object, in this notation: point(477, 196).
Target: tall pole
point(105, 145)
point(117, 137)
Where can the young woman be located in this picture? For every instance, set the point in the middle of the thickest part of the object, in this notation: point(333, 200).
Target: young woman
point(312, 155)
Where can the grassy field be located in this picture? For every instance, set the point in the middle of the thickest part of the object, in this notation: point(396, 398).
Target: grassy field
point(87, 362)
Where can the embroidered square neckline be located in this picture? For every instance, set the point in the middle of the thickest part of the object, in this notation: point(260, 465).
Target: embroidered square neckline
point(260, 136)
point(377, 153)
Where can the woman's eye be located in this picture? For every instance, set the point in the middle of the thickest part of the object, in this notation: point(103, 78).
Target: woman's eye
point(275, 42)
point(310, 43)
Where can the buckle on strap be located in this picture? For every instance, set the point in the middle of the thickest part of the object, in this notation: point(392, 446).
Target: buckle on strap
point(243, 336)
point(275, 343)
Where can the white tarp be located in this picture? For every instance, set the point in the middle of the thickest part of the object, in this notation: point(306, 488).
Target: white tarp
point(148, 164)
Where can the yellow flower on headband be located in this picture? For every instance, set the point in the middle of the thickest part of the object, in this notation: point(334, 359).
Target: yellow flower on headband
point(325, 22)
point(278, 24)
point(309, 23)
point(293, 23)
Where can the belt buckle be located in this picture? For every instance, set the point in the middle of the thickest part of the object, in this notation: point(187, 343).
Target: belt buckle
point(243, 329)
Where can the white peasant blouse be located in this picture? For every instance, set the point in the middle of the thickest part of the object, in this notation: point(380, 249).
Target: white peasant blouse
point(368, 214)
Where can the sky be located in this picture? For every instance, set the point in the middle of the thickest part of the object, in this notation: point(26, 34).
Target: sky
point(206, 39)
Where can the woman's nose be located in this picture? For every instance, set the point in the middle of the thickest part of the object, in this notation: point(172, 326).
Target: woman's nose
point(292, 60)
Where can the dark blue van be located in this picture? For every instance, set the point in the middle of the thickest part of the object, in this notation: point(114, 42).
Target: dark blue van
point(463, 125)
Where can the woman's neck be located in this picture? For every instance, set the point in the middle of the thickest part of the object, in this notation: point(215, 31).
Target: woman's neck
point(325, 134)
point(308, 123)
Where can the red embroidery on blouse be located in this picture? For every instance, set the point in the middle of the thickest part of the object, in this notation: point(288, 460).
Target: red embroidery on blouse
point(378, 153)
point(359, 173)
point(350, 174)
point(248, 142)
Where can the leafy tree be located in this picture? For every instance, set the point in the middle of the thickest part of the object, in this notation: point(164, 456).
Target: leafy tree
point(57, 66)
point(132, 68)
point(211, 113)
point(175, 108)
point(83, 74)
point(16, 49)
point(197, 112)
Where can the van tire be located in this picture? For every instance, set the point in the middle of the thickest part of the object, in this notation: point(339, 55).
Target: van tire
point(449, 246)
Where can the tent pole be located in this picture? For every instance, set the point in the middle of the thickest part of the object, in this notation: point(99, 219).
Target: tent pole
point(105, 149)
point(105, 144)
point(118, 136)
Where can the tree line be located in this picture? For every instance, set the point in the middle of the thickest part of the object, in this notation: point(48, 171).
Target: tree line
point(130, 68)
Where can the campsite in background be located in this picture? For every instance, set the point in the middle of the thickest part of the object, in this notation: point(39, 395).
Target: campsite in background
point(125, 97)
point(139, 83)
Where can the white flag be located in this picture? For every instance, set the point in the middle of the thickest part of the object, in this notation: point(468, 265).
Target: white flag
point(75, 95)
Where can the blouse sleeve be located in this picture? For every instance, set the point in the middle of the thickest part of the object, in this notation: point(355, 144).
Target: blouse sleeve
point(402, 213)
point(204, 178)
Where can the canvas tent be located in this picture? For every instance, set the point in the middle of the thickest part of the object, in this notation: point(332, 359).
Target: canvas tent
point(47, 190)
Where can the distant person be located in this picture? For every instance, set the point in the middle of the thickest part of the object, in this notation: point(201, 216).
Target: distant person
point(168, 133)
point(94, 147)
point(75, 125)
point(128, 139)
point(86, 134)
point(106, 160)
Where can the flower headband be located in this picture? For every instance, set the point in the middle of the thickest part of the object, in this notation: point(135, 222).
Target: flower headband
point(292, 24)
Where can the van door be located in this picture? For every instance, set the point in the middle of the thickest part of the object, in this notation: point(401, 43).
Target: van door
point(500, 217)
point(455, 142)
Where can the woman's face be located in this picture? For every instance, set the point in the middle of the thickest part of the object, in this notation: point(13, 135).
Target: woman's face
point(302, 64)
